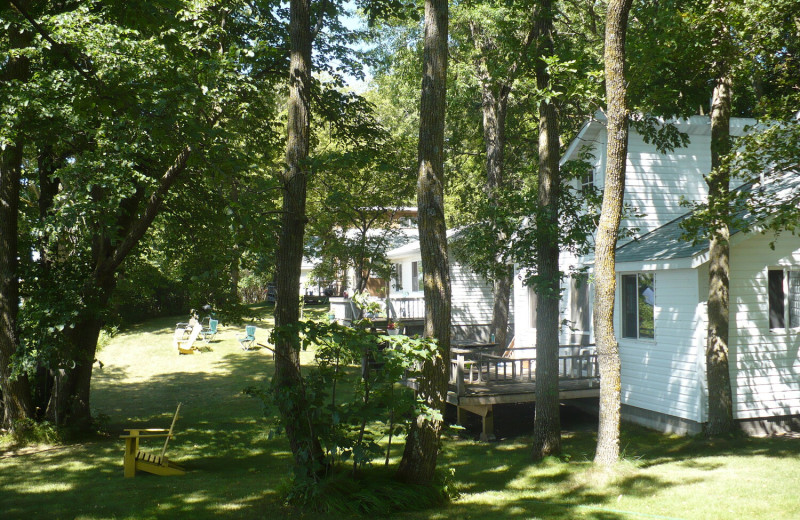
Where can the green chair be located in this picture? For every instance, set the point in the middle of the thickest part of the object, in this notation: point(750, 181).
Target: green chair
point(249, 337)
point(209, 331)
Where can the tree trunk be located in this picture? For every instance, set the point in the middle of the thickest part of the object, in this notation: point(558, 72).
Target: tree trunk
point(607, 452)
point(70, 404)
point(501, 290)
point(422, 445)
point(16, 392)
point(720, 400)
point(494, 138)
point(547, 419)
point(302, 440)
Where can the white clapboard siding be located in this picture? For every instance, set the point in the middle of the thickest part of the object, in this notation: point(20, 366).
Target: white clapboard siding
point(471, 297)
point(656, 183)
point(662, 374)
point(765, 365)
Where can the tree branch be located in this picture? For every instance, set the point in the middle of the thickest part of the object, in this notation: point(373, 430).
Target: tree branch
point(140, 227)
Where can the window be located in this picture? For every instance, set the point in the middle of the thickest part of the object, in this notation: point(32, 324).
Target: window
point(638, 301)
point(398, 277)
point(532, 302)
point(416, 276)
point(587, 181)
point(784, 298)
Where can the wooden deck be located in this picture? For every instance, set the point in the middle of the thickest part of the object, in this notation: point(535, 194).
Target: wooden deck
point(480, 379)
point(505, 393)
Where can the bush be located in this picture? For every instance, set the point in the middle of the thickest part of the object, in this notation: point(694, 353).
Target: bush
point(347, 423)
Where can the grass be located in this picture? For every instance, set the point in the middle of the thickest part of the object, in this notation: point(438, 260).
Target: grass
point(236, 471)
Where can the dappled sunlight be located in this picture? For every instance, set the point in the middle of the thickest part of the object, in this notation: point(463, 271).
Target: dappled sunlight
point(236, 470)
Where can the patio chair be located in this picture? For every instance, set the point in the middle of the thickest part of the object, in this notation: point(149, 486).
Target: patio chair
point(137, 460)
point(209, 331)
point(249, 337)
point(186, 346)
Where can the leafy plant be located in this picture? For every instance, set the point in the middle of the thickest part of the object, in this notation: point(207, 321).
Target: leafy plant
point(349, 411)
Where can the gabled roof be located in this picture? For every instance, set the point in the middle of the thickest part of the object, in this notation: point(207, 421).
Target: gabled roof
point(668, 243)
point(413, 247)
point(694, 125)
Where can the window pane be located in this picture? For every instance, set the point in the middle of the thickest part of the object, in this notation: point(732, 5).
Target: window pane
point(629, 324)
point(399, 276)
point(415, 276)
point(776, 297)
point(647, 300)
point(794, 298)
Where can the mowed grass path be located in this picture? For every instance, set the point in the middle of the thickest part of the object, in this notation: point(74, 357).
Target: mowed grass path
point(236, 471)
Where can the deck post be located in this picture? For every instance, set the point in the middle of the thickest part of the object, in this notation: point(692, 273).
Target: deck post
point(488, 425)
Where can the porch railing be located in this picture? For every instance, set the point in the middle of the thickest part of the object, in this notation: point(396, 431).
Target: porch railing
point(474, 366)
point(408, 308)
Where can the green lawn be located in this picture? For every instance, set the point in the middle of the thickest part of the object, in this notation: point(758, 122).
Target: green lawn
point(235, 471)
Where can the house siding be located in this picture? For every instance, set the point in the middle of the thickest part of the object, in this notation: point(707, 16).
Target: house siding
point(471, 297)
point(656, 183)
point(471, 300)
point(765, 364)
point(661, 375)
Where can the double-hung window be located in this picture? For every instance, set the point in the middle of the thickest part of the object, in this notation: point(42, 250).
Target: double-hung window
point(587, 181)
point(638, 302)
point(416, 276)
point(783, 286)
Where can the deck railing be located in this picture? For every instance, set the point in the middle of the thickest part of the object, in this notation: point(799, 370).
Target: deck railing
point(474, 366)
point(408, 308)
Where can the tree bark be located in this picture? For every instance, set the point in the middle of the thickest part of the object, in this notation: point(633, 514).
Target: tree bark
point(607, 452)
point(16, 392)
point(547, 419)
point(720, 399)
point(422, 444)
point(287, 379)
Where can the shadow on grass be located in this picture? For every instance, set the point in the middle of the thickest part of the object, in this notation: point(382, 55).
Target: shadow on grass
point(235, 471)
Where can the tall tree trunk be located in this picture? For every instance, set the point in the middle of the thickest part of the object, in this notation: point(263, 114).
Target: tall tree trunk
point(16, 392)
point(607, 452)
point(494, 138)
point(720, 400)
point(302, 441)
point(547, 419)
point(494, 103)
point(422, 444)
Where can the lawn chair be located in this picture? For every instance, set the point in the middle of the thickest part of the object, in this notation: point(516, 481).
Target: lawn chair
point(137, 460)
point(249, 337)
point(186, 346)
point(210, 331)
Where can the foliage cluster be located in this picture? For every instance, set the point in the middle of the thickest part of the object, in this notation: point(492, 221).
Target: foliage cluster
point(351, 412)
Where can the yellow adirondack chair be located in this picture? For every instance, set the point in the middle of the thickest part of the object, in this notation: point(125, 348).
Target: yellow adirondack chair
point(186, 346)
point(137, 460)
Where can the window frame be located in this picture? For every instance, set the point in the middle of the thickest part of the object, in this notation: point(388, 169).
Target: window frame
point(623, 333)
point(416, 276)
point(586, 181)
point(788, 298)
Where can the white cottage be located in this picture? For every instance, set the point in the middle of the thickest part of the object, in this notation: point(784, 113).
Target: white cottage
point(471, 294)
point(662, 287)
